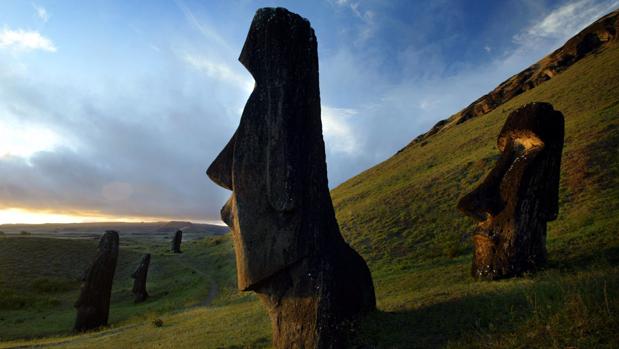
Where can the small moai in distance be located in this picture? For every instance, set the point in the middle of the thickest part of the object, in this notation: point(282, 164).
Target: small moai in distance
point(93, 304)
point(139, 282)
point(287, 242)
point(519, 196)
point(176, 241)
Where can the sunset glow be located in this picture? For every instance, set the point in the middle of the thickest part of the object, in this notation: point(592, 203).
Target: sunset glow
point(26, 216)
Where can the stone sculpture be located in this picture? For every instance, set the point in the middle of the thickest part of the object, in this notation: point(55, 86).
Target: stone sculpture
point(139, 282)
point(93, 304)
point(519, 196)
point(176, 241)
point(287, 241)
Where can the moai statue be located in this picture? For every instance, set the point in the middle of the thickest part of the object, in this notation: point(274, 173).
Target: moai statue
point(287, 241)
point(139, 282)
point(176, 242)
point(519, 196)
point(93, 304)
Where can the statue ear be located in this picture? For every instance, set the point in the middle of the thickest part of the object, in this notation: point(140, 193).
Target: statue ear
point(282, 153)
point(220, 170)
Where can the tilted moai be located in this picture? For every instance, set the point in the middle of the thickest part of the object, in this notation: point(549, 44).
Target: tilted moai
point(287, 241)
point(139, 282)
point(519, 196)
point(176, 241)
point(93, 304)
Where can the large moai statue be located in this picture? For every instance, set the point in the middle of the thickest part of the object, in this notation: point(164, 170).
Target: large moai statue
point(519, 196)
point(176, 241)
point(139, 282)
point(93, 304)
point(287, 241)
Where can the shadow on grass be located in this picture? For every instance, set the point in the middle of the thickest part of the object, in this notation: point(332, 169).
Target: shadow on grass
point(435, 325)
point(521, 308)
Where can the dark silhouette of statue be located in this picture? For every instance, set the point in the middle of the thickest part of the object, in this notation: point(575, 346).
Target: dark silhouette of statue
point(176, 241)
point(139, 282)
point(519, 196)
point(287, 241)
point(93, 304)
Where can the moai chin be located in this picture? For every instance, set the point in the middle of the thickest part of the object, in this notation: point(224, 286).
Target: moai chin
point(287, 241)
point(139, 282)
point(519, 196)
point(93, 304)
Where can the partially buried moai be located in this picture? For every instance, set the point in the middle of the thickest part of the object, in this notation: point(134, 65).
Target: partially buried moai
point(139, 282)
point(287, 241)
point(93, 304)
point(519, 196)
point(176, 241)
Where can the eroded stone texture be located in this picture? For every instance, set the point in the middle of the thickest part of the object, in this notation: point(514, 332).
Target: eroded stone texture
point(519, 196)
point(93, 304)
point(176, 241)
point(139, 282)
point(287, 242)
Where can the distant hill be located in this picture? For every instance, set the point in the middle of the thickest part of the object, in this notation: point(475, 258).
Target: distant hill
point(403, 211)
point(123, 227)
point(596, 37)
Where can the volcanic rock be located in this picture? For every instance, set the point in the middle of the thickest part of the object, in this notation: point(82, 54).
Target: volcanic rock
point(287, 241)
point(139, 282)
point(93, 304)
point(519, 196)
point(176, 241)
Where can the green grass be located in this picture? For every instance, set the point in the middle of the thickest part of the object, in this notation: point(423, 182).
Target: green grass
point(401, 216)
point(39, 280)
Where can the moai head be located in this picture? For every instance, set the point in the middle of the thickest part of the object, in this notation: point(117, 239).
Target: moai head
point(519, 195)
point(275, 162)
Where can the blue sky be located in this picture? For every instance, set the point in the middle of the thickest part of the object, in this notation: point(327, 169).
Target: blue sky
point(116, 108)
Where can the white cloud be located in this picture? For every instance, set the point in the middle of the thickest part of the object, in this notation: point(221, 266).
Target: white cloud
point(338, 133)
point(218, 71)
point(25, 40)
point(41, 13)
point(367, 17)
point(200, 26)
point(17, 139)
point(567, 20)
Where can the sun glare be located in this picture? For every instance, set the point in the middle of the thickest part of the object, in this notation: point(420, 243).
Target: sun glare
point(25, 216)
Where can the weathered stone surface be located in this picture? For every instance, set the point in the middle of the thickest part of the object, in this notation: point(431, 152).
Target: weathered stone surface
point(176, 241)
point(93, 304)
point(287, 242)
point(519, 196)
point(139, 282)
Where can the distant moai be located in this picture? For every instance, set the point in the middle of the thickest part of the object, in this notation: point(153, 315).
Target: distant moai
point(93, 304)
point(519, 196)
point(176, 241)
point(287, 242)
point(139, 282)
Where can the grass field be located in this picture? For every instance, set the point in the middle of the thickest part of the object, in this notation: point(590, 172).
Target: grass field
point(401, 216)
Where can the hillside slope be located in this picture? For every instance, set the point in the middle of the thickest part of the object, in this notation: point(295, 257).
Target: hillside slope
point(402, 211)
point(597, 36)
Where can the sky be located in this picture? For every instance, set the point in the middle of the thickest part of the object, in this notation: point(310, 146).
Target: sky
point(113, 109)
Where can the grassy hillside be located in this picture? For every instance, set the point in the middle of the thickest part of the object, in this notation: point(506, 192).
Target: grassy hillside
point(402, 212)
point(401, 216)
point(39, 281)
